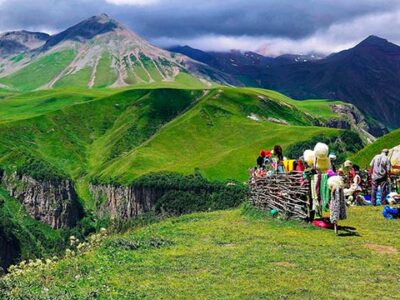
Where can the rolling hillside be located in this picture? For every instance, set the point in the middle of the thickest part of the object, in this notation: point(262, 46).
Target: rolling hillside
point(121, 135)
point(98, 52)
point(364, 157)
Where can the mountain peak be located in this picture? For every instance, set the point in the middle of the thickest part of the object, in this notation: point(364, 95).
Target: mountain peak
point(102, 18)
point(374, 40)
point(85, 30)
point(14, 42)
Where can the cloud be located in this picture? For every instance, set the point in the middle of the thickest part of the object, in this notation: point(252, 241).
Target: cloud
point(338, 36)
point(276, 26)
point(132, 2)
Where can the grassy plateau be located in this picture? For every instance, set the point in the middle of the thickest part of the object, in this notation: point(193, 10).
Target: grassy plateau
point(234, 254)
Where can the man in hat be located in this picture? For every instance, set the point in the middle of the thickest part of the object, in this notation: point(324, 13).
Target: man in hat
point(380, 174)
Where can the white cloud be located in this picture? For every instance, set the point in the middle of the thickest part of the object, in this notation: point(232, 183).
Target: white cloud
point(132, 2)
point(335, 38)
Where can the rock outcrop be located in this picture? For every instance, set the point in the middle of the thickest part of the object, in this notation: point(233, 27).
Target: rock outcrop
point(124, 202)
point(353, 118)
point(53, 202)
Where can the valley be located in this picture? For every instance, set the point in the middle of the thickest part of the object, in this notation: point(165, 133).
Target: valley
point(124, 167)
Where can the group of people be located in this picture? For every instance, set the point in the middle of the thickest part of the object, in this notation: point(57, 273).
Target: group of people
point(270, 161)
point(273, 162)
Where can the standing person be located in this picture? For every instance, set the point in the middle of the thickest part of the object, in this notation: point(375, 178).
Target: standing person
point(380, 174)
point(261, 159)
point(278, 158)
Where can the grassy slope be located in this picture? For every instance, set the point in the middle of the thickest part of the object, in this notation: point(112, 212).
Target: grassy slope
point(364, 157)
point(62, 137)
point(124, 133)
point(217, 137)
point(39, 72)
point(79, 79)
point(105, 129)
point(32, 104)
point(227, 255)
point(146, 71)
point(319, 107)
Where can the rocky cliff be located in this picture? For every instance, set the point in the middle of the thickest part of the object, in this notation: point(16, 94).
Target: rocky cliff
point(353, 118)
point(53, 202)
point(124, 202)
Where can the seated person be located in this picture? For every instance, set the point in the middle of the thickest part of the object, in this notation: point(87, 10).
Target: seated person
point(355, 186)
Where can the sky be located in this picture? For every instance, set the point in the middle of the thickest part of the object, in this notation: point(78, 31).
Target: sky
point(270, 27)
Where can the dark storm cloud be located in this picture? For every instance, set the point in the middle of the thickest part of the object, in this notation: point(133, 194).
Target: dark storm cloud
point(189, 19)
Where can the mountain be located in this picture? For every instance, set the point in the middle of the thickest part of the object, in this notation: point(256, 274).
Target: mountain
point(15, 42)
point(242, 65)
point(296, 58)
point(101, 52)
point(367, 75)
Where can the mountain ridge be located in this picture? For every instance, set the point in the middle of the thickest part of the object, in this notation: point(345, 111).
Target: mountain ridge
point(367, 75)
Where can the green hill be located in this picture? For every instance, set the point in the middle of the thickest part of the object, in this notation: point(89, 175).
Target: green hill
point(364, 156)
point(121, 135)
point(226, 255)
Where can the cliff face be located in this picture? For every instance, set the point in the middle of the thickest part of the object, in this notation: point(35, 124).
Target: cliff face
point(124, 202)
point(355, 119)
point(53, 202)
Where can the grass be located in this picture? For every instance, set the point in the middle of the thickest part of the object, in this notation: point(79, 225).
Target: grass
point(188, 80)
point(231, 255)
point(217, 137)
point(120, 134)
point(17, 106)
point(319, 107)
point(79, 79)
point(105, 75)
point(40, 72)
point(18, 57)
point(364, 157)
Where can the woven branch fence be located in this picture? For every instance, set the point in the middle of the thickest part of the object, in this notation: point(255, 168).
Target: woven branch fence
point(288, 193)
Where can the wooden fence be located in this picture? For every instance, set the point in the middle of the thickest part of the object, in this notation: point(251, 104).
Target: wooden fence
point(288, 193)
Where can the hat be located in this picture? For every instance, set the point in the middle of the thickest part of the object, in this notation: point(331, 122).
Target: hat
point(348, 163)
point(332, 156)
point(263, 153)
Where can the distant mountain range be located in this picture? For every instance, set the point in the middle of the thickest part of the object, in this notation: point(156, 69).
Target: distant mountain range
point(367, 75)
point(98, 52)
point(101, 52)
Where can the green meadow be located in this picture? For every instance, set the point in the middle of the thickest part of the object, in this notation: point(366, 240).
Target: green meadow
point(233, 254)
